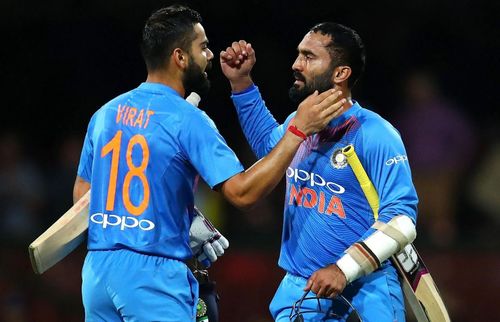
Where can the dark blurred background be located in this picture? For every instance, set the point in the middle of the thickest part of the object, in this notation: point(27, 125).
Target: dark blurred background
point(432, 71)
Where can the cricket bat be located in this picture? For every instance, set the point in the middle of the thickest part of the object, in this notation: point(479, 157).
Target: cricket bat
point(62, 237)
point(418, 287)
point(69, 231)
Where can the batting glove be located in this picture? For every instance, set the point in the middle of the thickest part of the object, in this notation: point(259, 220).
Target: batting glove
point(206, 242)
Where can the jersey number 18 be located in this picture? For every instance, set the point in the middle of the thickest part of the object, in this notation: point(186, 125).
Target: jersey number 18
point(114, 146)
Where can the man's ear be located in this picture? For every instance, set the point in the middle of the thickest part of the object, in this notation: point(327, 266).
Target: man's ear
point(180, 58)
point(341, 74)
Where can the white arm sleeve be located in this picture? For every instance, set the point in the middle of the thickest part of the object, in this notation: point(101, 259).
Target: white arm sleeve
point(364, 257)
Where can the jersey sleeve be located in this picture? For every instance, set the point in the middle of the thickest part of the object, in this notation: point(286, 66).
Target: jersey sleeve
point(258, 124)
point(207, 150)
point(87, 155)
point(387, 165)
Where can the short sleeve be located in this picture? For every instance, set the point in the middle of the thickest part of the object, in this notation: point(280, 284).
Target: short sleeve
point(207, 150)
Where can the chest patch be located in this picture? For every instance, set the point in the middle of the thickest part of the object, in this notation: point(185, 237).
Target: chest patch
point(338, 160)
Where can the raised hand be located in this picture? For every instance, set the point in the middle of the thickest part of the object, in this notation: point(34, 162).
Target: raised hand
point(236, 63)
point(317, 110)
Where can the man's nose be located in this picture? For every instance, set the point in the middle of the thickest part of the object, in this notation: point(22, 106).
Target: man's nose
point(210, 55)
point(297, 65)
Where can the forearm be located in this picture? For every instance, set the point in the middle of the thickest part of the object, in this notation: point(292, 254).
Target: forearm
point(247, 188)
point(365, 256)
point(239, 84)
point(80, 188)
point(255, 119)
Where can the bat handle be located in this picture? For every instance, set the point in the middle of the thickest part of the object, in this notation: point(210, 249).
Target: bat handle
point(193, 98)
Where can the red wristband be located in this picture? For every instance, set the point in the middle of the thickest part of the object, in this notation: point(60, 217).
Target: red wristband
point(297, 132)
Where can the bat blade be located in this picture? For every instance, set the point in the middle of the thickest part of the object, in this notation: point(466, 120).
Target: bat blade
point(60, 239)
point(419, 288)
point(431, 300)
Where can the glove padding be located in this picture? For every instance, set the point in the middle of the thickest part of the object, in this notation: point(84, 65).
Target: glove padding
point(205, 240)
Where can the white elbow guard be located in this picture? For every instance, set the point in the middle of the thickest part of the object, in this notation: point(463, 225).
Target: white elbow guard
point(364, 257)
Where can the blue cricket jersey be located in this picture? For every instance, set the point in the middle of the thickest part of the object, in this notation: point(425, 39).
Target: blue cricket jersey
point(325, 209)
point(142, 154)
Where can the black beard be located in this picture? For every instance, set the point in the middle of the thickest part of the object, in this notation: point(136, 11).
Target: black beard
point(321, 83)
point(194, 80)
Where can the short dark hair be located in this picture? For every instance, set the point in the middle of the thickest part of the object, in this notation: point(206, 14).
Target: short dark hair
point(346, 48)
point(166, 29)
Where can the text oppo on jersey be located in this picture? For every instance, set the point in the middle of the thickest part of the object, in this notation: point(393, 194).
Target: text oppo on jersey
point(124, 222)
point(396, 159)
point(313, 179)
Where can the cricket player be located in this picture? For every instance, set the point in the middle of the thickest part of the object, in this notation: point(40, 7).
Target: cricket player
point(334, 240)
point(142, 156)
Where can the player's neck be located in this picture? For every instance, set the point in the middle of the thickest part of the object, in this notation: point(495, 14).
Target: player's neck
point(346, 93)
point(173, 82)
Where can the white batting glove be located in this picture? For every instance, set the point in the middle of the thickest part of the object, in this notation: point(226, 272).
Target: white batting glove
point(205, 240)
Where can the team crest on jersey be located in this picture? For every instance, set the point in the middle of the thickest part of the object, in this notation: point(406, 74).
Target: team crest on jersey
point(338, 160)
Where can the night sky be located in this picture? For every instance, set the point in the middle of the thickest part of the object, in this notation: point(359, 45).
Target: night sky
point(61, 60)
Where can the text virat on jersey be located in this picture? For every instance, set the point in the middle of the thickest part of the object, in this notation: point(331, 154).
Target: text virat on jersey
point(132, 116)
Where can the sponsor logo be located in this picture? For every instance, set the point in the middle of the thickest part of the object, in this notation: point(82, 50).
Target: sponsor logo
point(397, 159)
point(123, 222)
point(308, 197)
point(313, 179)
